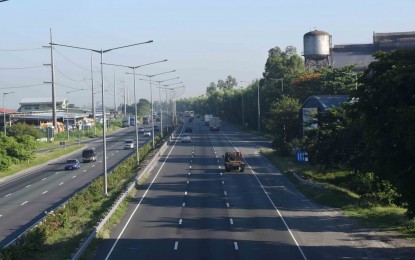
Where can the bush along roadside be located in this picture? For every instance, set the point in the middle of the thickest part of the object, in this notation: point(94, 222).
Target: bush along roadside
point(370, 203)
point(61, 231)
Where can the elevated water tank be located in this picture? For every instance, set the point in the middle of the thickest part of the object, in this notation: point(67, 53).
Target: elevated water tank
point(317, 48)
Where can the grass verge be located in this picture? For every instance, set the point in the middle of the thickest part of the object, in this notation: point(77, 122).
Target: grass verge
point(39, 159)
point(385, 218)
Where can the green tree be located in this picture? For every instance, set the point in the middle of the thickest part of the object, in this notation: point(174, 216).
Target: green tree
point(324, 81)
point(211, 88)
point(230, 82)
point(20, 129)
point(281, 68)
point(283, 123)
point(5, 159)
point(387, 110)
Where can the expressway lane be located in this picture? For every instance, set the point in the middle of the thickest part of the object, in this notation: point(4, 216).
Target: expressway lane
point(191, 209)
point(25, 198)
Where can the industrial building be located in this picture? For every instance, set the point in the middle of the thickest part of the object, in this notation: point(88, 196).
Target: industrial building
point(319, 52)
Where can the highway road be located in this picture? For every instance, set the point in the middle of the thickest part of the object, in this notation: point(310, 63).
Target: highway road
point(25, 198)
point(190, 208)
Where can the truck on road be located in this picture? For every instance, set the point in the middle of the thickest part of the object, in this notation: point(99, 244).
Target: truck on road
point(207, 119)
point(234, 161)
point(214, 123)
point(125, 122)
point(146, 120)
point(132, 120)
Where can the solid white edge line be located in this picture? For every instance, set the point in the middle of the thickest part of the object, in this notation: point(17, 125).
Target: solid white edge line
point(138, 205)
point(272, 203)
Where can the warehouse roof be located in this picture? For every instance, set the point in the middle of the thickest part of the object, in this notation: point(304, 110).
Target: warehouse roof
point(42, 100)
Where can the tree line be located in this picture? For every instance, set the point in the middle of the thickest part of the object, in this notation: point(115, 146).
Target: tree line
point(18, 145)
point(372, 134)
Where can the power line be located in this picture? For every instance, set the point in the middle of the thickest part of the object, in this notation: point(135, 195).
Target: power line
point(32, 49)
point(65, 86)
point(73, 63)
point(21, 68)
point(75, 80)
point(27, 86)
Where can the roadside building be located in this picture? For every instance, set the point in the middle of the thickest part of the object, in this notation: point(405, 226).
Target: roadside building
point(361, 55)
point(42, 104)
point(318, 104)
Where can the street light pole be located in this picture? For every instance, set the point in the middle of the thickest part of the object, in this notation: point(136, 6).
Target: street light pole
point(135, 101)
point(4, 111)
point(161, 111)
point(104, 138)
point(151, 97)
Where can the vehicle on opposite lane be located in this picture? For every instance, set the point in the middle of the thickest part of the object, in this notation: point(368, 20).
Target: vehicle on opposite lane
point(129, 144)
point(72, 164)
point(186, 138)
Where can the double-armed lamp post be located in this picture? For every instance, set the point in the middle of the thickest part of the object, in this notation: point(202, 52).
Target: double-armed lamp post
point(135, 100)
point(104, 140)
point(151, 96)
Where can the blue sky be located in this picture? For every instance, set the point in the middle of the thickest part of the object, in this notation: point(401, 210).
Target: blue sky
point(203, 40)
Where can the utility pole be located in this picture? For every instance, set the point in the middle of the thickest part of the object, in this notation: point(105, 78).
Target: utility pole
point(115, 93)
point(125, 100)
point(53, 83)
point(93, 99)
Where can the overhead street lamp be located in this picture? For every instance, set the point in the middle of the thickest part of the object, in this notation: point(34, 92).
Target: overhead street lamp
point(4, 111)
point(161, 111)
point(135, 101)
point(151, 96)
point(165, 87)
point(104, 140)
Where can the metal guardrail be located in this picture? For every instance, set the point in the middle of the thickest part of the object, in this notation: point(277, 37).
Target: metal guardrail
point(307, 181)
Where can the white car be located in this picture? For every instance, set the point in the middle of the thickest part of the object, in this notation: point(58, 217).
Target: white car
point(141, 129)
point(147, 133)
point(186, 138)
point(129, 144)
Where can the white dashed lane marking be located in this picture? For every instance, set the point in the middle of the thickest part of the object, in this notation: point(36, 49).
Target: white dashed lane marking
point(28, 186)
point(44, 192)
point(235, 244)
point(176, 245)
point(61, 183)
point(8, 195)
point(24, 203)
